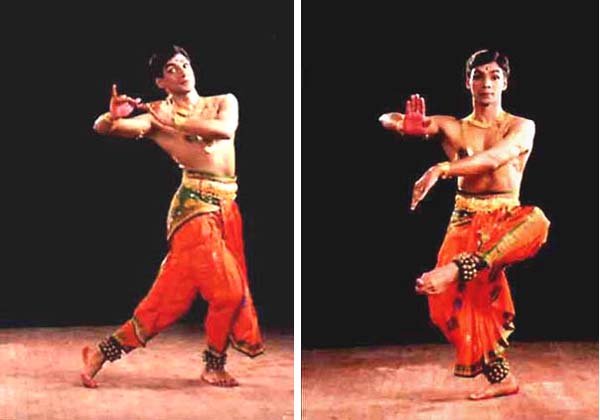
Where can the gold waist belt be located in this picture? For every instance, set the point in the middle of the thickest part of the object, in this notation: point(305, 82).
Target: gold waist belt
point(484, 203)
point(199, 193)
point(222, 188)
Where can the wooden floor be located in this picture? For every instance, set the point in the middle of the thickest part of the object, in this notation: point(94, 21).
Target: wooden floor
point(39, 378)
point(559, 380)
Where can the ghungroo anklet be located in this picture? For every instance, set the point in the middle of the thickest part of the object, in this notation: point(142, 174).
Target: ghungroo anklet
point(111, 348)
point(496, 371)
point(213, 361)
point(468, 266)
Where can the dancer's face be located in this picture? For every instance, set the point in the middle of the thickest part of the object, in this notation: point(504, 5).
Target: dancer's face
point(486, 83)
point(178, 76)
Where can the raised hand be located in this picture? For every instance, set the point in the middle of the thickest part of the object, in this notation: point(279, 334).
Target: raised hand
point(122, 105)
point(413, 122)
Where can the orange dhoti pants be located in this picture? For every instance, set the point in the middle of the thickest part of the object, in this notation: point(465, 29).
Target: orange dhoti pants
point(206, 257)
point(477, 316)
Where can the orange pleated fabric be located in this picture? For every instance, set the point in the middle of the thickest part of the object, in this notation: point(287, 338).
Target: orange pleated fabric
point(477, 316)
point(206, 257)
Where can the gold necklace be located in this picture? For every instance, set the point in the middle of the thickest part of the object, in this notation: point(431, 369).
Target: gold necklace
point(181, 110)
point(471, 120)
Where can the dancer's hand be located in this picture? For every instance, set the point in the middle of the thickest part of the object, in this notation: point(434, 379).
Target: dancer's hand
point(122, 105)
point(413, 122)
point(424, 184)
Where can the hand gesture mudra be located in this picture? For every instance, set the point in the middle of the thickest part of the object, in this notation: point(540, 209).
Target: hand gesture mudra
point(425, 184)
point(122, 105)
point(413, 122)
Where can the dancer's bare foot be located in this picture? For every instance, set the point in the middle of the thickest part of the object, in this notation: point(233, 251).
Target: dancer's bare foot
point(508, 386)
point(93, 359)
point(437, 280)
point(219, 378)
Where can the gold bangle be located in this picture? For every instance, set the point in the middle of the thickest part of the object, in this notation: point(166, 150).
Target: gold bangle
point(178, 121)
point(444, 168)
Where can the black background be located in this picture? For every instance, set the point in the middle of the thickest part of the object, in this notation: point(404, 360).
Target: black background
point(362, 248)
point(84, 214)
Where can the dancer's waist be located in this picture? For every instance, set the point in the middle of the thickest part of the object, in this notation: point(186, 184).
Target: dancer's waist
point(485, 201)
point(219, 187)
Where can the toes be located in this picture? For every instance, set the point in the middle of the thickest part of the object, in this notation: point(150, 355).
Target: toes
point(88, 382)
point(474, 396)
point(225, 381)
point(482, 394)
point(479, 396)
point(492, 393)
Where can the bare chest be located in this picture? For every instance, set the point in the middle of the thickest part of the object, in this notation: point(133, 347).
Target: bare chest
point(185, 147)
point(208, 109)
point(471, 139)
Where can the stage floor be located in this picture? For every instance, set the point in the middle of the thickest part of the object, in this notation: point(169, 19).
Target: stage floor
point(559, 380)
point(39, 378)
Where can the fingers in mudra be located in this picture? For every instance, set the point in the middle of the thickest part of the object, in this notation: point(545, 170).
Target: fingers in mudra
point(415, 105)
point(415, 122)
point(419, 193)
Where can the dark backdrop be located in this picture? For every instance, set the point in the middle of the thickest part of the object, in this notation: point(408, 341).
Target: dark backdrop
point(84, 228)
point(362, 248)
